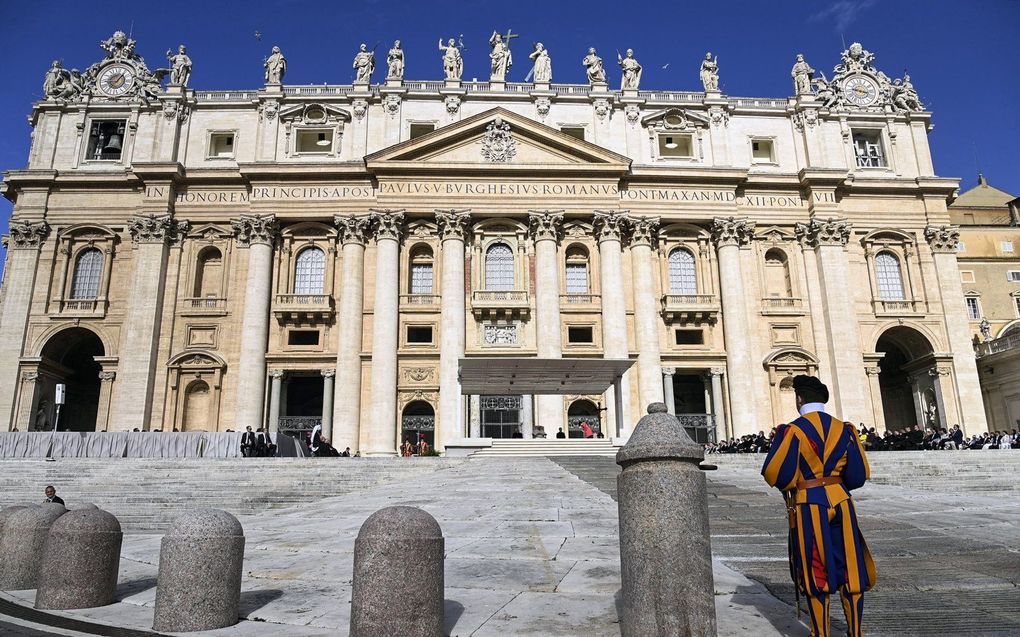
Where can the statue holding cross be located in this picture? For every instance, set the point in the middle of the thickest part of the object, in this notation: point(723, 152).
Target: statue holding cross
point(500, 57)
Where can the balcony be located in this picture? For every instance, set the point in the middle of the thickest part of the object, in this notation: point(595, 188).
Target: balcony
point(80, 308)
point(580, 302)
point(782, 306)
point(420, 302)
point(895, 307)
point(500, 303)
point(203, 306)
point(999, 345)
point(690, 308)
point(303, 308)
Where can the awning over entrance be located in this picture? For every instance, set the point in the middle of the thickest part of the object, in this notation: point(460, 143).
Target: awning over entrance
point(494, 376)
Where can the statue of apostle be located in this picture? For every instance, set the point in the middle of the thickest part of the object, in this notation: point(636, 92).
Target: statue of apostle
point(276, 66)
point(542, 71)
point(802, 73)
point(710, 72)
point(364, 65)
point(453, 65)
point(501, 59)
point(180, 66)
point(395, 62)
point(631, 71)
point(593, 65)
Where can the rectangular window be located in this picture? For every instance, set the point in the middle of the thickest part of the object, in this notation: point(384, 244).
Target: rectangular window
point(966, 276)
point(419, 334)
point(221, 146)
point(580, 334)
point(868, 149)
point(1013, 275)
point(1016, 303)
point(303, 337)
point(106, 140)
point(573, 131)
point(676, 145)
point(973, 308)
point(690, 337)
point(577, 278)
point(421, 278)
point(314, 141)
point(1007, 246)
point(761, 151)
point(417, 130)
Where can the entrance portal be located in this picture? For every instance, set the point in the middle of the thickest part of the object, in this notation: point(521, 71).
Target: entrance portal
point(692, 407)
point(70, 358)
point(501, 416)
point(904, 350)
point(418, 422)
point(302, 404)
point(581, 411)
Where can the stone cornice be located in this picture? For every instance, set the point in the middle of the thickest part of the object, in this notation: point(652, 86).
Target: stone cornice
point(834, 231)
point(251, 229)
point(545, 225)
point(453, 224)
point(610, 225)
point(353, 228)
point(644, 230)
point(942, 238)
point(388, 223)
point(732, 231)
point(26, 234)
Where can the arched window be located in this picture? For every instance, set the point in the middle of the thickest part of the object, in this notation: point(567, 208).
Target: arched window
point(777, 274)
point(890, 279)
point(577, 270)
point(499, 267)
point(421, 270)
point(88, 271)
point(208, 273)
point(682, 279)
point(310, 271)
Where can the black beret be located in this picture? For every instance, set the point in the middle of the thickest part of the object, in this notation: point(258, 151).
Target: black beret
point(811, 384)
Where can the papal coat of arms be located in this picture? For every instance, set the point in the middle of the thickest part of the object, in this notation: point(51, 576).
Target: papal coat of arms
point(498, 145)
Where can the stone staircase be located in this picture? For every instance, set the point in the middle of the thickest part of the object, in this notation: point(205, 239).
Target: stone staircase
point(516, 447)
point(147, 493)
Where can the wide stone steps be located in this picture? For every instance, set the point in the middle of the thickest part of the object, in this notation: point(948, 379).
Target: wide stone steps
point(510, 448)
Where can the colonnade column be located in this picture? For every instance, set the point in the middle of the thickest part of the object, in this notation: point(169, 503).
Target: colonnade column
point(667, 389)
point(943, 242)
point(730, 234)
point(381, 438)
point(257, 233)
point(452, 226)
point(132, 401)
point(327, 402)
point(609, 228)
point(546, 227)
point(718, 408)
point(26, 238)
point(346, 406)
point(276, 383)
point(646, 318)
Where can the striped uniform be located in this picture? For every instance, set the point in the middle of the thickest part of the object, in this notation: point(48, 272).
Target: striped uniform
point(827, 549)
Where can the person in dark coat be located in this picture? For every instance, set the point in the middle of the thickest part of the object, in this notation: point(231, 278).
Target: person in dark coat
point(51, 495)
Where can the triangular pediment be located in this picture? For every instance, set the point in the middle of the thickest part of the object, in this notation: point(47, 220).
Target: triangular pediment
point(497, 139)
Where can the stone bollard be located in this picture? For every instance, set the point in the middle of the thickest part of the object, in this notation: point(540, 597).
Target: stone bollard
point(21, 544)
point(665, 552)
point(398, 575)
point(80, 561)
point(199, 582)
point(6, 513)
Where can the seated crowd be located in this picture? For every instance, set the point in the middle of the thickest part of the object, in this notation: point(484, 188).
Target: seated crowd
point(257, 444)
point(915, 438)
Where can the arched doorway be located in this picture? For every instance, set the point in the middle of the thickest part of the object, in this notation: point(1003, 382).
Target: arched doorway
point(581, 411)
point(197, 402)
point(909, 394)
point(418, 421)
point(69, 357)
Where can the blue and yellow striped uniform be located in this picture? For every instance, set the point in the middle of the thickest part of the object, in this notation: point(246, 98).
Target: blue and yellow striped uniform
point(827, 549)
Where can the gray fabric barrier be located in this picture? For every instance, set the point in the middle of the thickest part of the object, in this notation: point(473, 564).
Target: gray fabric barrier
point(133, 444)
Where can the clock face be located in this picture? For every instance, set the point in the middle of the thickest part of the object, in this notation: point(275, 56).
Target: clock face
point(116, 79)
point(860, 90)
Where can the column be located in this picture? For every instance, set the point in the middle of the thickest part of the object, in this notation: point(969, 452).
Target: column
point(730, 234)
point(546, 228)
point(26, 238)
point(476, 416)
point(718, 408)
point(327, 402)
point(106, 378)
point(667, 389)
point(874, 386)
point(646, 316)
point(276, 378)
point(829, 239)
point(132, 398)
point(527, 416)
point(452, 227)
point(346, 408)
point(381, 438)
point(609, 228)
point(257, 233)
point(943, 242)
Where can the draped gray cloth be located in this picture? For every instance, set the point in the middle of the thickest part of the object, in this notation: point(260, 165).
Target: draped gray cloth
point(106, 444)
point(68, 444)
point(133, 444)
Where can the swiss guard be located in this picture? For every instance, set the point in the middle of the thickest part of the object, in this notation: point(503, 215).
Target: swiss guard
point(816, 461)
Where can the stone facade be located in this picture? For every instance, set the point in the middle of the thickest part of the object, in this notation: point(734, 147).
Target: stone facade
point(197, 259)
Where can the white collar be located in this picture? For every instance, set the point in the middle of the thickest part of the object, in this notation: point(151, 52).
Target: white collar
point(807, 408)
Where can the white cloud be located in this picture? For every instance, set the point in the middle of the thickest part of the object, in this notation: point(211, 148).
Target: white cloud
point(842, 13)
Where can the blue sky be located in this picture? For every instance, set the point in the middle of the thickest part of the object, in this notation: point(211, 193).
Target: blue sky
point(962, 55)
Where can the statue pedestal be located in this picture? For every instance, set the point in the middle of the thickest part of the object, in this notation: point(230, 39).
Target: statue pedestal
point(454, 84)
point(274, 87)
point(362, 87)
point(541, 86)
point(394, 82)
point(599, 87)
point(807, 100)
point(497, 86)
point(713, 95)
point(630, 93)
point(175, 89)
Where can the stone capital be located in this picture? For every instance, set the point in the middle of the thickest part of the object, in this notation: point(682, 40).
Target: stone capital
point(156, 228)
point(388, 223)
point(328, 373)
point(610, 225)
point(453, 224)
point(872, 370)
point(942, 238)
point(668, 371)
point(352, 228)
point(107, 376)
point(644, 230)
point(545, 225)
point(25, 234)
point(251, 229)
point(824, 232)
point(276, 374)
point(732, 231)
point(715, 371)
point(30, 377)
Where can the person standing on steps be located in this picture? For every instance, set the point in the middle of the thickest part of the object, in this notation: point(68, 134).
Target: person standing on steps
point(816, 461)
point(51, 495)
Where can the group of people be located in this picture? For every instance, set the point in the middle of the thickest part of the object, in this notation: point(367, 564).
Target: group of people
point(257, 444)
point(749, 443)
point(408, 448)
point(319, 446)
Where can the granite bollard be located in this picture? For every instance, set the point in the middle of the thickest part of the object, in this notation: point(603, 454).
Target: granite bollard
point(665, 551)
point(398, 575)
point(80, 561)
point(21, 544)
point(199, 581)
